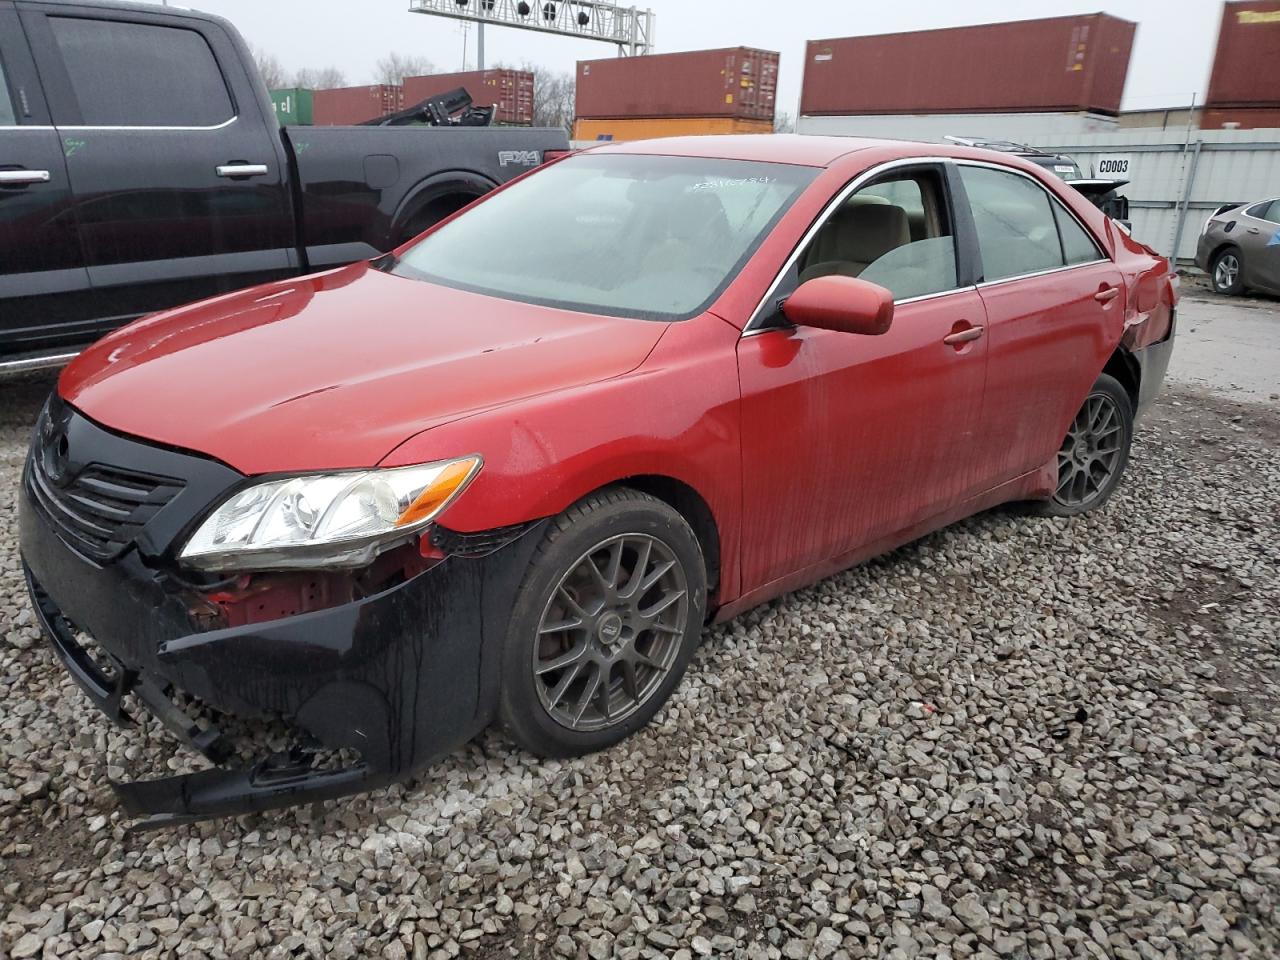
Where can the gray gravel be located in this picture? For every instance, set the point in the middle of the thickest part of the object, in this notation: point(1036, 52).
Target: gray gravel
point(1017, 738)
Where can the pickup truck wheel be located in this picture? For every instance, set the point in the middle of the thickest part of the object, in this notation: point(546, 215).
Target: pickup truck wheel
point(1225, 272)
point(604, 624)
point(1094, 452)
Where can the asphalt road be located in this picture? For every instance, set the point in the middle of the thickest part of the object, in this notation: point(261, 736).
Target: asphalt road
point(1229, 345)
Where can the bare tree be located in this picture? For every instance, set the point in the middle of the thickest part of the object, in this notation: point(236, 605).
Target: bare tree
point(269, 67)
point(394, 67)
point(553, 95)
point(783, 122)
point(325, 78)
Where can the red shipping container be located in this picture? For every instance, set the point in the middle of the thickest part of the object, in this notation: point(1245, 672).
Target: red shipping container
point(350, 105)
point(736, 82)
point(511, 91)
point(1056, 64)
point(1246, 67)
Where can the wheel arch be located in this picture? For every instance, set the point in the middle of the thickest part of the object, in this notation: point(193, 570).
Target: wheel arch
point(443, 190)
point(1124, 366)
point(695, 510)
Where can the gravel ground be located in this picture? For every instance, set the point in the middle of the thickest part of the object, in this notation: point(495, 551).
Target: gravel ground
point(1017, 738)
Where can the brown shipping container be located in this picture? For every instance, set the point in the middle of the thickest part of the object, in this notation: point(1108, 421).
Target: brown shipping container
point(1056, 64)
point(511, 91)
point(1240, 118)
point(734, 82)
point(1246, 68)
point(351, 105)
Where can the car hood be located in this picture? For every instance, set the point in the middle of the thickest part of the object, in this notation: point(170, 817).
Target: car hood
point(336, 370)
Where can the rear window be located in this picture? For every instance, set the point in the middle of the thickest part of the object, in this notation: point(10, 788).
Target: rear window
point(654, 237)
point(141, 75)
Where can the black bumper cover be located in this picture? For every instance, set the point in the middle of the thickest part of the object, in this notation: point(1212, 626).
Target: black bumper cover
point(402, 677)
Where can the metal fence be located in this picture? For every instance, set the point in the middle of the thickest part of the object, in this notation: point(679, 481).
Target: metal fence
point(1177, 177)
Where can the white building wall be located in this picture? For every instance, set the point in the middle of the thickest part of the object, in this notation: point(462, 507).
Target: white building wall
point(1018, 127)
point(1180, 177)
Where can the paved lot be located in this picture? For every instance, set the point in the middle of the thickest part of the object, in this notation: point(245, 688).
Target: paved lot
point(1016, 738)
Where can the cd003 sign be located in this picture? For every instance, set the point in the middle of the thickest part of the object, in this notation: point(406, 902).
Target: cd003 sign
point(1113, 165)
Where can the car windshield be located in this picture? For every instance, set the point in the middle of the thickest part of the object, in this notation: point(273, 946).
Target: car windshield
point(655, 237)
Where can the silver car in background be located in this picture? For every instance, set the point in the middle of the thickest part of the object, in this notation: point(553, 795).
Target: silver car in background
point(1240, 248)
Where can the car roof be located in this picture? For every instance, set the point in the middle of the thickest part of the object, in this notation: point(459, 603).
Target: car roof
point(131, 6)
point(801, 149)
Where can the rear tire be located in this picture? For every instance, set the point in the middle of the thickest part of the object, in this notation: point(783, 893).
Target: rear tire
point(604, 625)
point(1225, 272)
point(1095, 451)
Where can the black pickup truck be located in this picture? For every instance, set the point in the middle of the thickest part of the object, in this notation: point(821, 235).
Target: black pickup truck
point(141, 166)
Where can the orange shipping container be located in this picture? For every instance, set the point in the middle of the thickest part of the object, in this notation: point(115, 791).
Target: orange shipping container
point(632, 129)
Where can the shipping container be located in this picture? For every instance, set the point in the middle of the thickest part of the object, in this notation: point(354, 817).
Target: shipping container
point(734, 82)
point(1246, 67)
point(511, 91)
point(629, 128)
point(1058, 64)
point(1240, 118)
point(351, 105)
point(293, 106)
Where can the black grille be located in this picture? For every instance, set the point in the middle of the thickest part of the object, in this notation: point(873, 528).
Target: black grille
point(100, 511)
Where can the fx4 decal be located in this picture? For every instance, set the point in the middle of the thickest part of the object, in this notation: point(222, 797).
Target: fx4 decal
point(71, 145)
point(519, 158)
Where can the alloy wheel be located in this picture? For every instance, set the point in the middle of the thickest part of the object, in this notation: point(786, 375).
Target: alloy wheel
point(1090, 454)
point(1226, 272)
point(610, 632)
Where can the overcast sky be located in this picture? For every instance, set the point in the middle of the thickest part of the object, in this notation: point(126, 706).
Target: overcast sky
point(1171, 57)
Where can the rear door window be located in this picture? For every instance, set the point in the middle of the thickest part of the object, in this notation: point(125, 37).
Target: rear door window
point(8, 116)
point(1272, 212)
point(141, 74)
point(1017, 230)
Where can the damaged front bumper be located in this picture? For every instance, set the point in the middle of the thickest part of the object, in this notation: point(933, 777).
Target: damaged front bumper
point(398, 678)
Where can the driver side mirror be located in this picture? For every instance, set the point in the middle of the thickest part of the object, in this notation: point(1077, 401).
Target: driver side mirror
point(841, 304)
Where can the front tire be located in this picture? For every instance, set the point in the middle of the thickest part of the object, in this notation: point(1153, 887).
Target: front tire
point(604, 625)
point(1225, 272)
point(1095, 451)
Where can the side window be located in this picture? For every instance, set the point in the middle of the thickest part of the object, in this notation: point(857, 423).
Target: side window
point(1017, 233)
point(896, 232)
point(1077, 245)
point(141, 75)
point(1272, 213)
point(7, 116)
point(1259, 210)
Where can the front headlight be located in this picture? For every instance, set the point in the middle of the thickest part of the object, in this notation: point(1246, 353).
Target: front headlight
point(336, 519)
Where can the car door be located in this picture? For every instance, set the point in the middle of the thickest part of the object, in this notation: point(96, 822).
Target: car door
point(1050, 294)
point(43, 281)
point(1259, 239)
point(180, 185)
point(849, 439)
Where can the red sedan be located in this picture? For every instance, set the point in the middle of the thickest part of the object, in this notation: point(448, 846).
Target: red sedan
point(506, 473)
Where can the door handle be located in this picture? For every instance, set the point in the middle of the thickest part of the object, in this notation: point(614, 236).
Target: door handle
point(1107, 294)
point(963, 336)
point(1254, 230)
point(243, 170)
point(19, 178)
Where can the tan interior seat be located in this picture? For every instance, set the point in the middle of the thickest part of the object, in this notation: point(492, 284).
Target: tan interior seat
point(857, 235)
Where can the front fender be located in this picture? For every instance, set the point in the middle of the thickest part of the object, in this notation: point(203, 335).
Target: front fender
point(675, 416)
